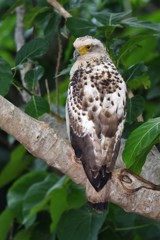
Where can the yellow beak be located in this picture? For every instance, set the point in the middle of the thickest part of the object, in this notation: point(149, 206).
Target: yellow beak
point(82, 50)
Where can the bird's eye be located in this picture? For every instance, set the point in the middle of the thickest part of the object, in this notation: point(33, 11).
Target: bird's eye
point(88, 47)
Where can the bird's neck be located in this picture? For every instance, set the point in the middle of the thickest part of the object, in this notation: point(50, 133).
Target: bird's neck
point(89, 56)
point(82, 60)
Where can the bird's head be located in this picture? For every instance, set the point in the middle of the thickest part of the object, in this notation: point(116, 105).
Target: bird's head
point(86, 45)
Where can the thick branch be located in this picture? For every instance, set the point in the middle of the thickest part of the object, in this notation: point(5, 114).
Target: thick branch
point(127, 190)
point(135, 194)
point(40, 140)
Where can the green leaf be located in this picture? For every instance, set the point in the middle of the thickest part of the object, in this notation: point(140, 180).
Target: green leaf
point(23, 234)
point(135, 107)
point(35, 48)
point(140, 143)
point(76, 197)
point(58, 206)
point(5, 77)
point(63, 86)
point(30, 15)
point(136, 76)
point(142, 81)
point(64, 199)
point(37, 106)
point(134, 22)
point(154, 92)
point(33, 76)
point(6, 219)
point(37, 196)
point(16, 193)
point(110, 19)
point(19, 162)
point(53, 24)
point(135, 71)
point(130, 45)
point(65, 71)
point(7, 44)
point(138, 54)
point(79, 26)
point(12, 8)
point(80, 224)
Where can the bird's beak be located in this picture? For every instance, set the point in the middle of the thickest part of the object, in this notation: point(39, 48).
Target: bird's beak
point(76, 54)
point(80, 51)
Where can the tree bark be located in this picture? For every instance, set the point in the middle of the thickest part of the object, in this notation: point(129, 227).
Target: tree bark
point(48, 142)
point(59, 8)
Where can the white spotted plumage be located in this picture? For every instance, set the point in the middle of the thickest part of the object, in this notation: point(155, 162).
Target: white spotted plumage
point(95, 109)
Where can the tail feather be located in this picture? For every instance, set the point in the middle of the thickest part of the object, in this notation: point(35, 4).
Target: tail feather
point(98, 207)
point(97, 200)
point(98, 178)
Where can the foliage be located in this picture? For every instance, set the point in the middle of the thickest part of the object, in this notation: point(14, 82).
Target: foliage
point(5, 77)
point(140, 142)
point(38, 203)
point(35, 48)
point(37, 106)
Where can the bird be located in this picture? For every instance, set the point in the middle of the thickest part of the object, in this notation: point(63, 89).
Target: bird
point(95, 112)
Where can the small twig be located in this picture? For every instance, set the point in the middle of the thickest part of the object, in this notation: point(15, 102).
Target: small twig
point(59, 8)
point(131, 95)
point(66, 15)
point(10, 237)
point(19, 35)
point(48, 93)
point(38, 89)
point(57, 70)
point(20, 41)
point(21, 87)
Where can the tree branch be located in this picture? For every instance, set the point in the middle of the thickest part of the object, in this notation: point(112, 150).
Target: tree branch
point(59, 8)
point(131, 192)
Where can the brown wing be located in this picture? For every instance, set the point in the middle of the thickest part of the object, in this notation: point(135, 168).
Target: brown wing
point(84, 150)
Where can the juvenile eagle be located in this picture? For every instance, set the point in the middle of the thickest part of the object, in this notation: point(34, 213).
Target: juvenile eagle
point(95, 110)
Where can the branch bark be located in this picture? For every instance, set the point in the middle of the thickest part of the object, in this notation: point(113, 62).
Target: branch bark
point(131, 192)
point(59, 8)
